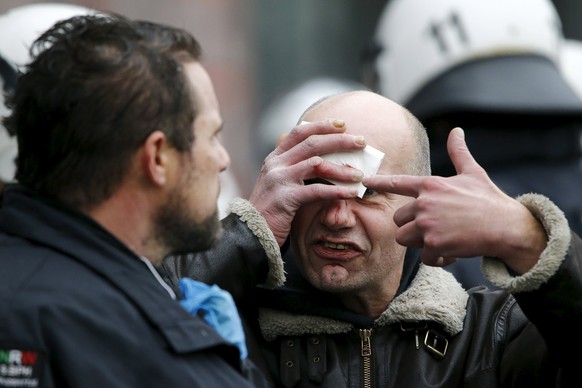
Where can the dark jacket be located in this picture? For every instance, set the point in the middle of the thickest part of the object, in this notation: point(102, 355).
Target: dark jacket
point(79, 309)
point(434, 333)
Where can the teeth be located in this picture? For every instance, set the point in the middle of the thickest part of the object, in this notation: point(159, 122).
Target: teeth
point(335, 246)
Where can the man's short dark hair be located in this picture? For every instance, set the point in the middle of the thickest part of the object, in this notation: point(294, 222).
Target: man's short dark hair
point(97, 86)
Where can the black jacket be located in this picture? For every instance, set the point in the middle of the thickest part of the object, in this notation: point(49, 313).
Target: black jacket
point(434, 333)
point(79, 309)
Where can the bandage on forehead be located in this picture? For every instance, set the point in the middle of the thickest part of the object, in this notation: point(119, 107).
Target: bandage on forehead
point(367, 160)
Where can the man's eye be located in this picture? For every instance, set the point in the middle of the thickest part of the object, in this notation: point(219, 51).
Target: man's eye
point(369, 193)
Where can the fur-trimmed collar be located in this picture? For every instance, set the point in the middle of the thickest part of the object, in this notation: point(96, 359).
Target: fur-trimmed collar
point(258, 225)
point(434, 295)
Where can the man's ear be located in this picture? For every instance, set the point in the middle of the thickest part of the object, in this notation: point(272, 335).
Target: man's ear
point(156, 157)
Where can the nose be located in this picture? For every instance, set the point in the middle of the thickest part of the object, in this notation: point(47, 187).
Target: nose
point(223, 158)
point(338, 214)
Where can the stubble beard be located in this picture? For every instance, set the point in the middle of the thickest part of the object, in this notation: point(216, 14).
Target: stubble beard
point(179, 232)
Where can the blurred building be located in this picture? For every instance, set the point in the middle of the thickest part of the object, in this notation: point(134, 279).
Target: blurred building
point(255, 50)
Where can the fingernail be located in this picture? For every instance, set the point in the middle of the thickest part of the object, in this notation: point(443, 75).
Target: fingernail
point(358, 176)
point(360, 140)
point(461, 132)
point(338, 123)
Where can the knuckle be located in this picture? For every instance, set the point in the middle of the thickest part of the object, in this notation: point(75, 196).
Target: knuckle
point(316, 162)
point(422, 204)
point(295, 132)
point(430, 242)
point(311, 142)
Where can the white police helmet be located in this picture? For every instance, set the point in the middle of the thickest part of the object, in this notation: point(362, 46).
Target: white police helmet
point(571, 63)
point(19, 28)
point(487, 55)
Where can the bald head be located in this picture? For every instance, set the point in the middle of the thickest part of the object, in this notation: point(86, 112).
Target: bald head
point(386, 126)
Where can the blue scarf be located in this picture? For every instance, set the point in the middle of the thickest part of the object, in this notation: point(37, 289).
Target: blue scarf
point(217, 308)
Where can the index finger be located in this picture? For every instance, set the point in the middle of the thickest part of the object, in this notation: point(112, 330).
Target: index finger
point(408, 185)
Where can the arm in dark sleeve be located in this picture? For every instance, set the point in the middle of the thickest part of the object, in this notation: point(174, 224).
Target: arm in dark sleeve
point(246, 255)
point(550, 294)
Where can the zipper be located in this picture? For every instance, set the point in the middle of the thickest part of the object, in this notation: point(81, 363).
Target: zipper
point(365, 335)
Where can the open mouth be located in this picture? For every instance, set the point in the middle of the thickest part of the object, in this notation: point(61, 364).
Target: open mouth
point(339, 247)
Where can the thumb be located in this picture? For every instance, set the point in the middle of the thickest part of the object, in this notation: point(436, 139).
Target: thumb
point(459, 152)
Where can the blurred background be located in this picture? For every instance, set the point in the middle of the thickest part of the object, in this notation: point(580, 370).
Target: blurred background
point(257, 50)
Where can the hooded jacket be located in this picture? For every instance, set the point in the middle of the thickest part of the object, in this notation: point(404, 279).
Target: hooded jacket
point(434, 333)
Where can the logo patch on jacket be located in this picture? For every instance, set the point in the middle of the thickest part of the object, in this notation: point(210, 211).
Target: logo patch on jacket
point(20, 367)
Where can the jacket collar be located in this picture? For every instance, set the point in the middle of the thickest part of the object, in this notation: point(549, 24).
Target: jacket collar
point(77, 236)
point(433, 295)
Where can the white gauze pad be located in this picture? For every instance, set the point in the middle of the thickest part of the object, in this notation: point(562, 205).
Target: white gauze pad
point(367, 160)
